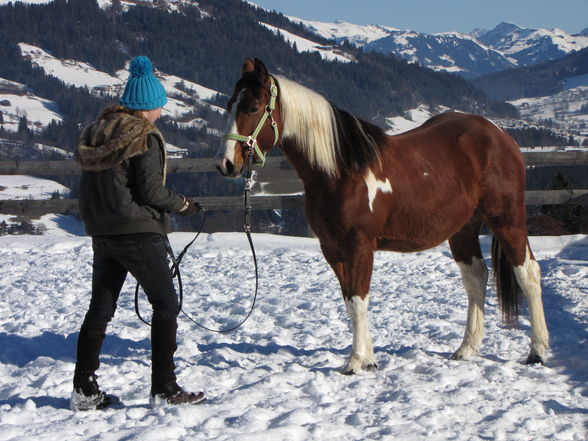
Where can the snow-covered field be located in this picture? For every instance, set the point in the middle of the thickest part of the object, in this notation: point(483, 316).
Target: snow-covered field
point(276, 377)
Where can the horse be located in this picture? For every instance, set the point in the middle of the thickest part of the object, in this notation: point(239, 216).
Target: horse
point(366, 190)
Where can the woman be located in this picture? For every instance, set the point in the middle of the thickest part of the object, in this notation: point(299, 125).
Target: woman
point(125, 207)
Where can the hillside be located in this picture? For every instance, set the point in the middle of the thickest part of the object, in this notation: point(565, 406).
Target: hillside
point(544, 79)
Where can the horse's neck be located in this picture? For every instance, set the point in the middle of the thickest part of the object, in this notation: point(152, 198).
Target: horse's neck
point(307, 172)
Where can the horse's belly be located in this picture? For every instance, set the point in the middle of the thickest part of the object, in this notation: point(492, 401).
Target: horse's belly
point(406, 245)
point(407, 231)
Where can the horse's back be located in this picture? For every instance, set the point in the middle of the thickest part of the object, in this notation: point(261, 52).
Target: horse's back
point(460, 137)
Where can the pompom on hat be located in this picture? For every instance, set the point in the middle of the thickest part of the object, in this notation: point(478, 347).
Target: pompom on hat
point(143, 90)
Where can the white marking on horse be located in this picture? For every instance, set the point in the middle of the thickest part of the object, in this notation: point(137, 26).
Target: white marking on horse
point(475, 278)
point(227, 149)
point(528, 276)
point(374, 185)
point(362, 352)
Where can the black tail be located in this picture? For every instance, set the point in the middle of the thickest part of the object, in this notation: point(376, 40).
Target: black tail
point(506, 285)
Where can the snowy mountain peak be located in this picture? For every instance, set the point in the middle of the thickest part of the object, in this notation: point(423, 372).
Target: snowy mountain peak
point(477, 53)
point(530, 46)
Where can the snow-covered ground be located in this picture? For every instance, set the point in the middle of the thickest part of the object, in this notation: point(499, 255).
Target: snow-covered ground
point(29, 187)
point(276, 377)
point(411, 119)
point(14, 187)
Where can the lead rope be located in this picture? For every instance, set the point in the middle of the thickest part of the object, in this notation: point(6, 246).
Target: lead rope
point(175, 269)
point(176, 262)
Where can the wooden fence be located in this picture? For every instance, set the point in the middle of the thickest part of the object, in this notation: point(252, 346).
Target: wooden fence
point(277, 181)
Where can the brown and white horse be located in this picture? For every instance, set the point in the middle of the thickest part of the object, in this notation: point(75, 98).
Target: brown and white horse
point(368, 191)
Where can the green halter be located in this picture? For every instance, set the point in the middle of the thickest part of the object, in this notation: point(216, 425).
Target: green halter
point(251, 140)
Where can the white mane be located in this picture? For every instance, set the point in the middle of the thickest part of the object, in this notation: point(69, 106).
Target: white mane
point(309, 120)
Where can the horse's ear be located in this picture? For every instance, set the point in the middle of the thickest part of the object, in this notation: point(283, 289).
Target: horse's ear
point(248, 65)
point(261, 70)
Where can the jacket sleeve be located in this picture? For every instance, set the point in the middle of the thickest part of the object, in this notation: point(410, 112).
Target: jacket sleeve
point(149, 179)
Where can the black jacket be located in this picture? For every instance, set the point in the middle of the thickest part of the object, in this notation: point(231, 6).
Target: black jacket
point(122, 188)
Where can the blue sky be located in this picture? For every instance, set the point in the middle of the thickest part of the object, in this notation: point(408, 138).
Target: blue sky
point(441, 15)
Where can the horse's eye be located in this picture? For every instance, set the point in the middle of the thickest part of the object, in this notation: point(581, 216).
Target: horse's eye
point(253, 109)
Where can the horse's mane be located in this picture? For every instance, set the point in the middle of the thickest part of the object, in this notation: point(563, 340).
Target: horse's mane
point(333, 140)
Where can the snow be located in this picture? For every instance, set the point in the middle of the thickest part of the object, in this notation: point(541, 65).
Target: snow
point(73, 73)
point(29, 187)
point(184, 87)
point(564, 108)
point(305, 45)
point(38, 111)
point(411, 119)
point(31, 2)
point(17, 101)
point(561, 39)
point(342, 30)
point(277, 376)
point(80, 74)
point(15, 187)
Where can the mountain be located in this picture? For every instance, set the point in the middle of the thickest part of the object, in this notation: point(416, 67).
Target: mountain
point(482, 52)
point(531, 46)
point(450, 52)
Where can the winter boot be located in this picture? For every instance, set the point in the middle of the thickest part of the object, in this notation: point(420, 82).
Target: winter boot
point(86, 394)
point(164, 389)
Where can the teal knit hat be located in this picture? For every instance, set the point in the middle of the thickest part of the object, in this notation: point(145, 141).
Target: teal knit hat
point(143, 90)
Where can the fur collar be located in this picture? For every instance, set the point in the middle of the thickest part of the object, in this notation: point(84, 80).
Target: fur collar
point(118, 134)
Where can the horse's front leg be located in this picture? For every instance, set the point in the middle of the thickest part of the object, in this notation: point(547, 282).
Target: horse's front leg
point(362, 352)
point(354, 270)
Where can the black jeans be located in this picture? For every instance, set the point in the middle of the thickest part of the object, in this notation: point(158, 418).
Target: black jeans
point(143, 255)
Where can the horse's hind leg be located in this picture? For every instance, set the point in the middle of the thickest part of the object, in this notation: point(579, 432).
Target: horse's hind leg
point(515, 250)
point(465, 247)
point(529, 278)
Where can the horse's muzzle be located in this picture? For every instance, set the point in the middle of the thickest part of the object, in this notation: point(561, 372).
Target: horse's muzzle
point(227, 168)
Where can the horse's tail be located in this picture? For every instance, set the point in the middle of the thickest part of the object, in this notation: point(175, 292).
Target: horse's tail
point(507, 287)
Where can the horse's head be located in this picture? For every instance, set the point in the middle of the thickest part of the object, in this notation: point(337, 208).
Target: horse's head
point(255, 122)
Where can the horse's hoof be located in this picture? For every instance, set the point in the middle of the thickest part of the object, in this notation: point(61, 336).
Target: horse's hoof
point(349, 372)
point(457, 356)
point(534, 359)
point(371, 367)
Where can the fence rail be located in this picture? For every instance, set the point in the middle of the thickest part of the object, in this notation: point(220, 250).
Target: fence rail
point(273, 163)
point(276, 179)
